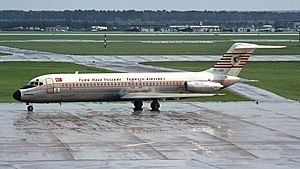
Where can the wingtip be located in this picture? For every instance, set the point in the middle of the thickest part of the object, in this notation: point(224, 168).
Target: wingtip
point(220, 94)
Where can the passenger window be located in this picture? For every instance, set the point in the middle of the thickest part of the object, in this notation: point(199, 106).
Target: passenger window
point(41, 83)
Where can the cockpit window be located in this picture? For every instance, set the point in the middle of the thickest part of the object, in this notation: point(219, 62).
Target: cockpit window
point(32, 84)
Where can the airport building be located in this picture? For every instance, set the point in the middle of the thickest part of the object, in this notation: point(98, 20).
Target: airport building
point(194, 29)
point(99, 28)
point(248, 29)
point(57, 28)
point(297, 26)
point(267, 28)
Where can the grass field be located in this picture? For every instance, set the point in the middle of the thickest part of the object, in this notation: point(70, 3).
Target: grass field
point(17, 74)
point(279, 77)
point(83, 48)
point(2, 54)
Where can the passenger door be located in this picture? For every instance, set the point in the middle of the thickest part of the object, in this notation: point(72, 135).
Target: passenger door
point(50, 86)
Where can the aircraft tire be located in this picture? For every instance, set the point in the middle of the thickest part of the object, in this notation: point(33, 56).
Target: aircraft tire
point(138, 105)
point(155, 105)
point(30, 108)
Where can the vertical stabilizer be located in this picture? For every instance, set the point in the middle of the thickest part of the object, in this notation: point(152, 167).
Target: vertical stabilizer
point(236, 58)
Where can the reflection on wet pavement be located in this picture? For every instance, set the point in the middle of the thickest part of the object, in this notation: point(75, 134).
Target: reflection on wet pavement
point(211, 135)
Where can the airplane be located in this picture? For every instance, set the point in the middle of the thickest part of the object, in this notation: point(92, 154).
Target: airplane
point(184, 29)
point(139, 87)
point(132, 29)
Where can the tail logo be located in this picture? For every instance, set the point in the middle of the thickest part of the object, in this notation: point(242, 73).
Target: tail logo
point(235, 60)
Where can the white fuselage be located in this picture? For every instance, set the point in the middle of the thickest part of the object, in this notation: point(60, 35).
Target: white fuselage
point(98, 87)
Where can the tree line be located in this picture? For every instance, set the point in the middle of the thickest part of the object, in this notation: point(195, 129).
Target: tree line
point(84, 19)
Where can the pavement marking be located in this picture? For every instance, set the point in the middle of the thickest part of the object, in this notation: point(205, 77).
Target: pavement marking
point(139, 144)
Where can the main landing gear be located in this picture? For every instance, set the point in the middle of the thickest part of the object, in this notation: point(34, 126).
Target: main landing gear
point(139, 104)
point(155, 105)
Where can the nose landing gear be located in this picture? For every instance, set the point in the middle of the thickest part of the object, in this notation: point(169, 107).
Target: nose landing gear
point(29, 107)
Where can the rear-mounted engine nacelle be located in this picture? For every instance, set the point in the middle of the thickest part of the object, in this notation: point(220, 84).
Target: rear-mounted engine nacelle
point(202, 87)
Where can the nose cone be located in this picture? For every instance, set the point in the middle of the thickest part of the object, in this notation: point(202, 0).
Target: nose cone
point(17, 95)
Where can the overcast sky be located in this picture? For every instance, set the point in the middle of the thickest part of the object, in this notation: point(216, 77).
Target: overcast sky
point(240, 5)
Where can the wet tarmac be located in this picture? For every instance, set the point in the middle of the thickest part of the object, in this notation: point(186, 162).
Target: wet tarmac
point(182, 135)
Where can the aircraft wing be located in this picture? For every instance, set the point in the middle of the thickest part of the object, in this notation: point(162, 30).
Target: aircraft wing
point(164, 96)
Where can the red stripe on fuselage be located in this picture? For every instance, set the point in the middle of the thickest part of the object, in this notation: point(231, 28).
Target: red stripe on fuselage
point(238, 53)
point(226, 66)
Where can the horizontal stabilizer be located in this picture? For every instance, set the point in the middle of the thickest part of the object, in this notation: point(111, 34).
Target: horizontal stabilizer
point(248, 80)
point(254, 46)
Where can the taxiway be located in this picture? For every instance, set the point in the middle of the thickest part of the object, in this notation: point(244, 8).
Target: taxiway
point(182, 135)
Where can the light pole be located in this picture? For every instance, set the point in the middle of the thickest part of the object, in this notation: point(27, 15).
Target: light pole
point(105, 43)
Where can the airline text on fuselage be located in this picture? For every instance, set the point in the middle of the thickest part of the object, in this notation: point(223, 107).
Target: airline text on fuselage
point(119, 79)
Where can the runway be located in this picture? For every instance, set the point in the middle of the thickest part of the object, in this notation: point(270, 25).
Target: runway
point(182, 135)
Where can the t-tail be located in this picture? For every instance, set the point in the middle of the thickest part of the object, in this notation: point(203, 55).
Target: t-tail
point(236, 58)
